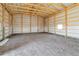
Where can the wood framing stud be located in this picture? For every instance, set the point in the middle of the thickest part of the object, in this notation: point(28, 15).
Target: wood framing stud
point(55, 24)
point(3, 33)
point(48, 24)
point(44, 24)
point(30, 21)
point(21, 23)
point(37, 23)
point(12, 22)
point(66, 22)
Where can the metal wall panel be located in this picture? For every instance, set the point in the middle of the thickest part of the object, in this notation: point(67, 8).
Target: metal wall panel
point(73, 22)
point(6, 23)
point(26, 23)
point(51, 25)
point(23, 23)
point(33, 23)
point(10, 24)
point(40, 24)
point(46, 25)
point(17, 23)
point(60, 19)
point(69, 19)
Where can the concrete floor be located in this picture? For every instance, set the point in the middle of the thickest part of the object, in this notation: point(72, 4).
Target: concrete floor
point(40, 44)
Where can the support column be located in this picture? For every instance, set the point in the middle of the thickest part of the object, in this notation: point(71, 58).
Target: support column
point(3, 29)
point(37, 23)
point(48, 24)
point(30, 22)
point(12, 22)
point(55, 24)
point(44, 24)
point(9, 24)
point(66, 22)
point(21, 23)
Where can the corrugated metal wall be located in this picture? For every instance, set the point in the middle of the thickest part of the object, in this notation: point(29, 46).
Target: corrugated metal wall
point(17, 24)
point(46, 25)
point(70, 24)
point(51, 25)
point(60, 20)
point(23, 23)
point(26, 24)
point(33, 23)
point(73, 22)
point(40, 24)
point(5, 23)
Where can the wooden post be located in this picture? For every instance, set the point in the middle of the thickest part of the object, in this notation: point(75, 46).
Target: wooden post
point(48, 24)
point(37, 24)
point(44, 24)
point(21, 23)
point(55, 24)
point(3, 29)
point(9, 23)
point(66, 22)
point(30, 22)
point(12, 22)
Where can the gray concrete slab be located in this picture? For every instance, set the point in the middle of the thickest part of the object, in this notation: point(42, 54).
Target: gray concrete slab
point(40, 44)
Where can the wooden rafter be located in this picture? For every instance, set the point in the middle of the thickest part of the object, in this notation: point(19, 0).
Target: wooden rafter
point(41, 9)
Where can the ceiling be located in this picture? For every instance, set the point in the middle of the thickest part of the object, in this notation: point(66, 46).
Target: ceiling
point(41, 9)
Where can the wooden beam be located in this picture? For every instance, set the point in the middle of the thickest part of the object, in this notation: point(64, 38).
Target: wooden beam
point(54, 7)
point(33, 13)
point(68, 7)
point(26, 8)
point(71, 6)
point(36, 10)
point(43, 7)
point(6, 8)
point(26, 11)
point(63, 5)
